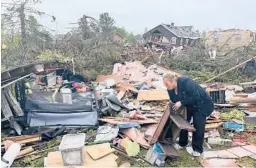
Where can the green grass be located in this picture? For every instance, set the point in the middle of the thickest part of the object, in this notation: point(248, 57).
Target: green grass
point(247, 162)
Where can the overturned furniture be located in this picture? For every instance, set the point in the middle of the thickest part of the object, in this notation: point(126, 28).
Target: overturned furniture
point(168, 130)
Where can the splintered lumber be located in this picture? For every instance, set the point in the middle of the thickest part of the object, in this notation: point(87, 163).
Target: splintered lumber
point(213, 121)
point(54, 159)
point(99, 151)
point(7, 112)
point(153, 95)
point(20, 138)
point(30, 140)
point(213, 125)
point(13, 102)
point(243, 100)
point(26, 151)
point(121, 120)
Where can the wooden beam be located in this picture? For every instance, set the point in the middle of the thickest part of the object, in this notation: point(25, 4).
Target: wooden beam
point(230, 69)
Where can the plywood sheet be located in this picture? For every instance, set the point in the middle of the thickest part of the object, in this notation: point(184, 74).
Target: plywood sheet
point(54, 159)
point(153, 95)
point(100, 150)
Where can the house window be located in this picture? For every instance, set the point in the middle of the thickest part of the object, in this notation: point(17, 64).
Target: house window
point(173, 40)
point(186, 41)
point(181, 41)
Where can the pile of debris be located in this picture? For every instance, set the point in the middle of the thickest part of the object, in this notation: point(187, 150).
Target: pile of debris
point(130, 112)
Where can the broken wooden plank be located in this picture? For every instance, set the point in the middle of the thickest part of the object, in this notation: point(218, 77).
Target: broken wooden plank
point(213, 125)
point(25, 151)
point(243, 100)
point(13, 102)
point(153, 95)
point(120, 120)
point(161, 125)
point(100, 150)
point(135, 135)
point(30, 140)
point(181, 122)
point(213, 121)
point(20, 138)
point(7, 112)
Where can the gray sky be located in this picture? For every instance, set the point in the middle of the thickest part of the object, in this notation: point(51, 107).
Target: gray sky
point(135, 15)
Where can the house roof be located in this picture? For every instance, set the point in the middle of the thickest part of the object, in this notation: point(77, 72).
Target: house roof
point(181, 31)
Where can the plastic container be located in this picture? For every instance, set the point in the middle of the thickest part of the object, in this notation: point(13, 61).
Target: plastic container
point(71, 148)
point(154, 154)
point(233, 126)
point(66, 95)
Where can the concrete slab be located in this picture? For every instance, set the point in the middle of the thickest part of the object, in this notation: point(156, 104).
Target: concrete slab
point(240, 152)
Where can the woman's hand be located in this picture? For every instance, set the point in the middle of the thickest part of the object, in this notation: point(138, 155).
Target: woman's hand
point(176, 106)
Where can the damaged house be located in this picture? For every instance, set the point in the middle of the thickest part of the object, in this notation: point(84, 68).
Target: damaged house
point(230, 39)
point(172, 35)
